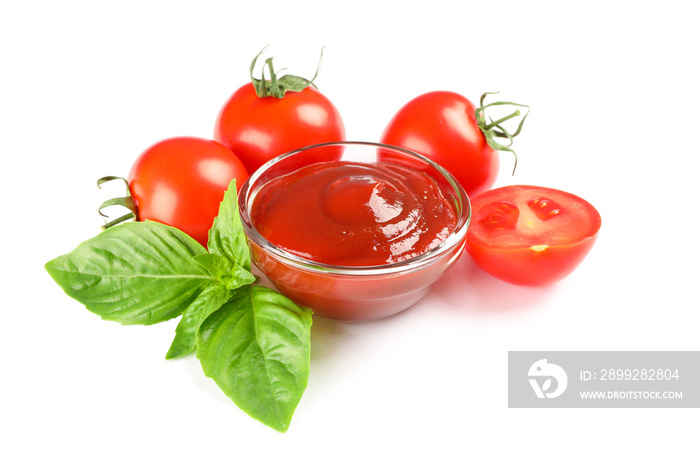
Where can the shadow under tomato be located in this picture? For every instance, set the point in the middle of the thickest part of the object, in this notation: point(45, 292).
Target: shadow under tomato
point(468, 288)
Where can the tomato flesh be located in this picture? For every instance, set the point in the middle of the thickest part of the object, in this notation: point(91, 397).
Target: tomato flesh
point(530, 235)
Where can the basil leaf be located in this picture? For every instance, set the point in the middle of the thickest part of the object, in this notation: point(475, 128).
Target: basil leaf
point(228, 250)
point(257, 350)
point(133, 273)
point(226, 236)
point(232, 276)
point(208, 301)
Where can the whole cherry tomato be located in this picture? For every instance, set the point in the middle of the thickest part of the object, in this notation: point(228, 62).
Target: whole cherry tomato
point(181, 182)
point(530, 235)
point(448, 129)
point(264, 119)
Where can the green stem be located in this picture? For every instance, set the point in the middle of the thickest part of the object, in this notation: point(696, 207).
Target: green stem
point(278, 86)
point(127, 202)
point(274, 85)
point(117, 221)
point(505, 118)
point(493, 130)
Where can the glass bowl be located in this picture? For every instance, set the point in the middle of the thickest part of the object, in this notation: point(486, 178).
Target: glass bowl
point(354, 293)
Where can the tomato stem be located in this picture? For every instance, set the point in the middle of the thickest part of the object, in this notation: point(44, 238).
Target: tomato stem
point(494, 129)
point(502, 120)
point(278, 87)
point(126, 201)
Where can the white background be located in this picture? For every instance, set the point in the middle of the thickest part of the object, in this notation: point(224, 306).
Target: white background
point(614, 91)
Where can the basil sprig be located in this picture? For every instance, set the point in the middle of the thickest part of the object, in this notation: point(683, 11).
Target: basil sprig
point(252, 341)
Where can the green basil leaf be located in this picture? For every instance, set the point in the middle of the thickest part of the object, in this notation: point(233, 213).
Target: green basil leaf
point(208, 301)
point(133, 273)
point(216, 265)
point(232, 276)
point(257, 350)
point(226, 236)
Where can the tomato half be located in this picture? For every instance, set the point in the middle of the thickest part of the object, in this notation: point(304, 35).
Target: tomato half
point(441, 125)
point(181, 182)
point(530, 235)
point(258, 129)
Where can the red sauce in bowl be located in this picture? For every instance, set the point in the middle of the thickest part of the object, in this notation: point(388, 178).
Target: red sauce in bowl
point(356, 231)
point(354, 214)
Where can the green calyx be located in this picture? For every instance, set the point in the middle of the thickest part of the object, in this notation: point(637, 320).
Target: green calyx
point(126, 201)
point(278, 86)
point(494, 129)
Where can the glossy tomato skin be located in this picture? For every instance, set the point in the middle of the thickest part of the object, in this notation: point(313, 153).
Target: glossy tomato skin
point(441, 125)
point(259, 129)
point(181, 182)
point(530, 235)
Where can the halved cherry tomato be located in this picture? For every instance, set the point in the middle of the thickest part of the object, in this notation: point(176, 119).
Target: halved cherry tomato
point(181, 182)
point(530, 235)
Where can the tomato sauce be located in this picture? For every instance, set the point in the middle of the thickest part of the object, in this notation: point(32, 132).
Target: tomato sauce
point(354, 214)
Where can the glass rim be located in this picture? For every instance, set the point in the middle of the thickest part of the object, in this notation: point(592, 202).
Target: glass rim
point(413, 263)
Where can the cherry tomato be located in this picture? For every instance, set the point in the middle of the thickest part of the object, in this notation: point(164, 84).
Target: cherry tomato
point(529, 235)
point(442, 126)
point(181, 182)
point(258, 129)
